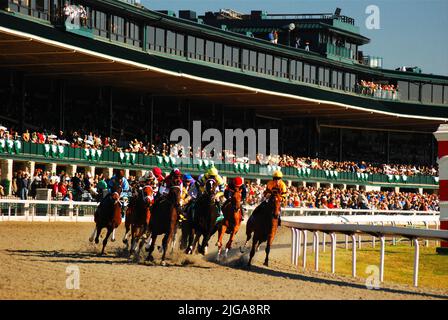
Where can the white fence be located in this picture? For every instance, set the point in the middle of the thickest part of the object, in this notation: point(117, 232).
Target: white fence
point(301, 225)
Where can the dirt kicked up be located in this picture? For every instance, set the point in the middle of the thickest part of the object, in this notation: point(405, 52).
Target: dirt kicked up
point(36, 259)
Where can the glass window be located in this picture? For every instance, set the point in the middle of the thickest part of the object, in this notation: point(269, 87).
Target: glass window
point(414, 91)
point(285, 68)
point(306, 72)
point(347, 81)
point(200, 48)
point(180, 43)
point(245, 59)
point(326, 77)
point(426, 93)
point(99, 23)
point(320, 76)
point(170, 41)
point(293, 70)
point(117, 28)
point(352, 82)
point(191, 46)
point(277, 66)
point(160, 39)
point(334, 79)
point(299, 68)
point(209, 50)
point(261, 64)
point(269, 64)
point(313, 74)
point(340, 78)
point(227, 55)
point(253, 60)
point(236, 57)
point(403, 90)
point(445, 95)
point(218, 52)
point(437, 93)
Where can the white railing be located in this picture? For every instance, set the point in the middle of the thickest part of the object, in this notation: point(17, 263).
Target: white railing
point(300, 226)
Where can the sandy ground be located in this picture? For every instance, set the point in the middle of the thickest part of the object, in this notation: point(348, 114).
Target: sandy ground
point(34, 257)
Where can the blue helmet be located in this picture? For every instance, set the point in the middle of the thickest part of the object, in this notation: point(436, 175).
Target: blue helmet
point(188, 177)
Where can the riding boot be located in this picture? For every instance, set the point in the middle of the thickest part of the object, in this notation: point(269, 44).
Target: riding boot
point(221, 215)
point(279, 221)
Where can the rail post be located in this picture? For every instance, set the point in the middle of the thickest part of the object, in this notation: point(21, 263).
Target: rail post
point(299, 241)
point(416, 261)
point(346, 242)
point(314, 242)
point(293, 246)
point(383, 243)
point(304, 249)
point(316, 254)
point(333, 251)
point(324, 235)
point(353, 255)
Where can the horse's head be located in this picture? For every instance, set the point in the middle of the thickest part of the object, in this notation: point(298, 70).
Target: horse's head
point(210, 187)
point(174, 194)
point(236, 197)
point(276, 202)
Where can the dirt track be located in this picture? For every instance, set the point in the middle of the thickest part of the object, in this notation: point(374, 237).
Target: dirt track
point(34, 258)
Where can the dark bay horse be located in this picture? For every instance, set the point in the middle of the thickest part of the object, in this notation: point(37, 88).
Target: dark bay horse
point(164, 219)
point(204, 219)
point(107, 215)
point(263, 224)
point(231, 222)
point(138, 216)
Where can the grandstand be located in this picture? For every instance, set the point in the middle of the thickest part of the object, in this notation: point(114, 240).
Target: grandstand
point(118, 70)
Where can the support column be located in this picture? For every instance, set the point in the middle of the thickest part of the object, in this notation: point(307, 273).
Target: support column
point(108, 173)
point(126, 173)
point(91, 170)
point(51, 167)
point(71, 170)
point(30, 166)
point(6, 166)
point(110, 111)
point(140, 173)
point(442, 138)
point(151, 112)
point(289, 183)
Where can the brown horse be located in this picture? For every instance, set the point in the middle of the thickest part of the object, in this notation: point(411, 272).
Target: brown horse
point(231, 222)
point(164, 221)
point(203, 222)
point(107, 215)
point(263, 224)
point(138, 216)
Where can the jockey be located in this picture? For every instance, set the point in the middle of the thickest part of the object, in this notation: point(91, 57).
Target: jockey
point(119, 180)
point(188, 183)
point(213, 174)
point(276, 184)
point(231, 188)
point(173, 179)
point(158, 175)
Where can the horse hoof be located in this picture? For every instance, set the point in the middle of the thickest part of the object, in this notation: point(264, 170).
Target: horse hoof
point(150, 258)
point(266, 264)
point(90, 239)
point(97, 241)
point(163, 263)
point(113, 240)
point(125, 241)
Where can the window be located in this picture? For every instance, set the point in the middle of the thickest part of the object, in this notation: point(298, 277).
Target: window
point(403, 89)
point(426, 93)
point(218, 52)
point(180, 43)
point(437, 93)
point(340, 78)
point(293, 70)
point(245, 59)
point(334, 79)
point(160, 39)
point(252, 60)
point(326, 77)
point(191, 46)
point(99, 23)
point(133, 33)
point(320, 75)
point(284, 68)
point(236, 57)
point(209, 50)
point(269, 66)
point(313, 74)
point(200, 44)
point(227, 55)
point(445, 94)
point(261, 66)
point(414, 94)
point(117, 28)
point(299, 68)
point(277, 66)
point(347, 81)
point(306, 72)
point(170, 41)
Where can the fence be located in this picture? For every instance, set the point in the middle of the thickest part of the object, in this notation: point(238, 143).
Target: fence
point(299, 230)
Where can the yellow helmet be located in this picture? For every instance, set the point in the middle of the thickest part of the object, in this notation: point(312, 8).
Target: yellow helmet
point(212, 172)
point(277, 174)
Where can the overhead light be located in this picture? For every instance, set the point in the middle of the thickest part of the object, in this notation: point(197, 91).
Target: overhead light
point(291, 26)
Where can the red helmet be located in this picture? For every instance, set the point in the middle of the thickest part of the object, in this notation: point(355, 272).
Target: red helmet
point(175, 172)
point(238, 181)
point(157, 171)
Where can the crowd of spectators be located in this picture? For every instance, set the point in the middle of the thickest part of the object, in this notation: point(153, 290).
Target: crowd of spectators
point(161, 147)
point(334, 198)
point(86, 187)
point(378, 90)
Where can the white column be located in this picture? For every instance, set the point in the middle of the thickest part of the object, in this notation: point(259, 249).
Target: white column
point(51, 167)
point(6, 166)
point(91, 170)
point(108, 172)
point(30, 166)
point(71, 170)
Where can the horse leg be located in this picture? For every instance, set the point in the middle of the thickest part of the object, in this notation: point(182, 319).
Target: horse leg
point(148, 242)
point(93, 234)
point(248, 236)
point(221, 233)
point(98, 233)
point(151, 248)
point(268, 249)
point(126, 233)
point(195, 242)
point(173, 242)
point(109, 231)
point(229, 243)
point(252, 251)
point(165, 242)
point(113, 235)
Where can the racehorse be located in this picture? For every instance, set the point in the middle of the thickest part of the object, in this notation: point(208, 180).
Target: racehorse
point(263, 224)
point(231, 222)
point(107, 215)
point(204, 219)
point(138, 216)
point(164, 221)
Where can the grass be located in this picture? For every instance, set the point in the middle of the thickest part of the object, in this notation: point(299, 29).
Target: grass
point(398, 262)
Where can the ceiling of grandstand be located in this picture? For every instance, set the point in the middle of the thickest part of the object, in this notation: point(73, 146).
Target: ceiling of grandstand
point(41, 59)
